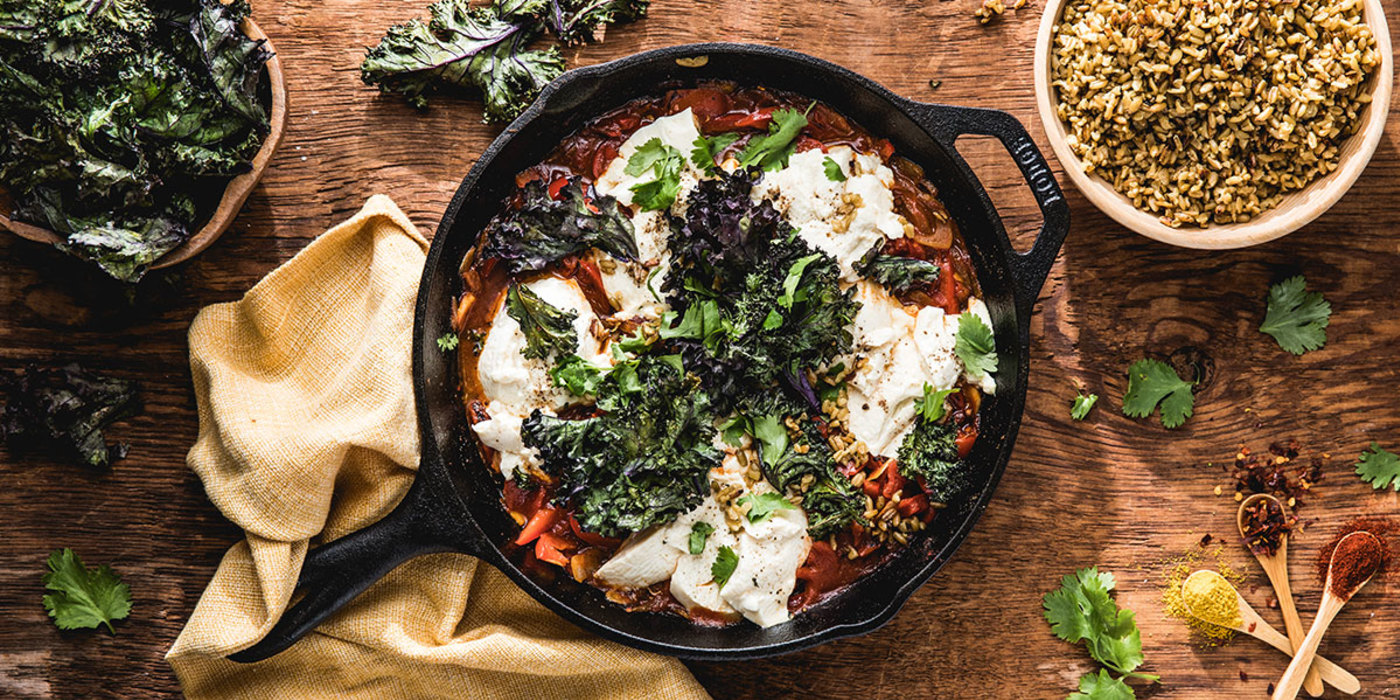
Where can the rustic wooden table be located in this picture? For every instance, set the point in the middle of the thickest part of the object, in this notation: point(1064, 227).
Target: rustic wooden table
point(1110, 491)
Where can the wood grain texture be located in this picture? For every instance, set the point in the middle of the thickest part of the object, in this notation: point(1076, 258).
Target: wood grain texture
point(1110, 491)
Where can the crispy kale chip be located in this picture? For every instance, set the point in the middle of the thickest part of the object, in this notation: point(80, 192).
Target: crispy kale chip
point(545, 229)
point(64, 411)
point(898, 274)
point(486, 48)
point(830, 501)
point(644, 462)
point(930, 454)
point(120, 121)
point(548, 330)
point(754, 304)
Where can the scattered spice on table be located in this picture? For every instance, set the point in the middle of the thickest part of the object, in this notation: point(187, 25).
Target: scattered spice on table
point(1211, 598)
point(1278, 472)
point(1265, 526)
point(1358, 558)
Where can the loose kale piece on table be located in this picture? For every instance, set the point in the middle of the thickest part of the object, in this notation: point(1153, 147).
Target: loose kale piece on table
point(64, 411)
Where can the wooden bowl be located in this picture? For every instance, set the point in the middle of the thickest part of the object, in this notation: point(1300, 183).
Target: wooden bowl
point(1293, 212)
point(235, 193)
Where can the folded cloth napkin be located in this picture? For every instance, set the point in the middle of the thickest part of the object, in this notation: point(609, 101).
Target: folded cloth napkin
point(307, 432)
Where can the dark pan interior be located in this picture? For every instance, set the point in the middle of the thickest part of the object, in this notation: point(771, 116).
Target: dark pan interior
point(870, 601)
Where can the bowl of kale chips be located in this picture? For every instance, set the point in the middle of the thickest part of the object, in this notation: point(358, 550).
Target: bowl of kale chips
point(131, 132)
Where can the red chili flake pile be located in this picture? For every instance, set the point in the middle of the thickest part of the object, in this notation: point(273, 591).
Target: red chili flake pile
point(1265, 525)
point(1359, 558)
point(1278, 472)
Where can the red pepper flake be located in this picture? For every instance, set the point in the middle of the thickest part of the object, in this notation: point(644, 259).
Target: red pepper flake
point(1205, 541)
point(1244, 677)
point(1265, 525)
point(1252, 625)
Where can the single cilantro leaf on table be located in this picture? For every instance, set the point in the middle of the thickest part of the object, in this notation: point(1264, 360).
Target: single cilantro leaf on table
point(1296, 318)
point(548, 330)
point(1379, 467)
point(764, 505)
point(699, 532)
point(975, 345)
point(1082, 610)
point(931, 404)
point(833, 170)
point(1102, 686)
point(83, 598)
point(707, 150)
point(665, 164)
point(1153, 382)
point(64, 411)
point(771, 151)
point(726, 561)
point(1083, 403)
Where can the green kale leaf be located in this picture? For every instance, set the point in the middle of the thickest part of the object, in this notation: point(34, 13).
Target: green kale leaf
point(549, 331)
point(65, 410)
point(899, 274)
point(644, 462)
point(577, 21)
point(929, 453)
point(544, 230)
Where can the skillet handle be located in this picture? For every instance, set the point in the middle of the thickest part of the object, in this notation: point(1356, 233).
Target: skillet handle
point(946, 123)
point(335, 573)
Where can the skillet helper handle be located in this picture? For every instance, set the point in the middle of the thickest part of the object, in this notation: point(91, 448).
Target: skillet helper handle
point(335, 573)
point(1032, 267)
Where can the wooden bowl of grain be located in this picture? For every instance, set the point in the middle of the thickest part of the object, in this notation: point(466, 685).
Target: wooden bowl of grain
point(1293, 209)
point(235, 192)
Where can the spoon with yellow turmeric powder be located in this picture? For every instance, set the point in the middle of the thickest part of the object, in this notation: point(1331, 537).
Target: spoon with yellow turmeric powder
point(1208, 596)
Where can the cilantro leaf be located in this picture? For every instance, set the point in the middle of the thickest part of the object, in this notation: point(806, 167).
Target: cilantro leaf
point(794, 276)
point(726, 561)
point(1151, 382)
point(1101, 686)
point(699, 532)
point(548, 330)
point(763, 505)
point(448, 342)
point(83, 598)
point(1081, 610)
point(665, 163)
point(1379, 467)
point(701, 321)
point(772, 437)
point(579, 376)
point(833, 170)
point(931, 405)
point(707, 150)
point(1083, 403)
point(1296, 319)
point(975, 345)
point(772, 150)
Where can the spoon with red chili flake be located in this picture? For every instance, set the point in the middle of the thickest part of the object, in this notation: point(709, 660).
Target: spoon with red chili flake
point(1264, 526)
point(1356, 558)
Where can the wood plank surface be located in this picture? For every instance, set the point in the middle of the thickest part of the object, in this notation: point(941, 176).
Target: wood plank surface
point(1110, 491)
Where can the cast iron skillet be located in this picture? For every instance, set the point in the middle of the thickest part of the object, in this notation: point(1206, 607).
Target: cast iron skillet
point(455, 505)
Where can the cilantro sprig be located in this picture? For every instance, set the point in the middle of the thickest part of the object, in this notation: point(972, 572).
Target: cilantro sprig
point(1379, 467)
point(726, 561)
point(1153, 382)
point(1083, 403)
point(1296, 318)
point(1081, 609)
point(705, 151)
point(448, 342)
point(833, 170)
point(764, 505)
point(665, 163)
point(931, 404)
point(771, 151)
point(83, 598)
point(975, 345)
point(699, 532)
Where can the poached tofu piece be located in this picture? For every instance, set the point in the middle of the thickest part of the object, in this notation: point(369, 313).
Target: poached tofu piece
point(769, 553)
point(903, 351)
point(844, 219)
point(514, 385)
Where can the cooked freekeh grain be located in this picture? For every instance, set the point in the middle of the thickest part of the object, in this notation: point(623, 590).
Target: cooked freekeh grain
point(1210, 112)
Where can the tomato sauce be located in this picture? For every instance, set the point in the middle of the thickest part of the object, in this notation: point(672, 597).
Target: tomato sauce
point(551, 539)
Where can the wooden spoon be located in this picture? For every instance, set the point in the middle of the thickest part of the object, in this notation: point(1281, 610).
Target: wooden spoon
point(1276, 568)
point(1332, 604)
point(1255, 626)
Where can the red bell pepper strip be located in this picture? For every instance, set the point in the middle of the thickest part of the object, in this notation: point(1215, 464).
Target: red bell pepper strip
point(551, 549)
point(538, 524)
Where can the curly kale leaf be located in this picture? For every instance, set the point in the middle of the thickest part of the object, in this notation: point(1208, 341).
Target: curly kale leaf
point(64, 410)
point(544, 229)
point(899, 274)
point(549, 331)
point(643, 463)
point(577, 21)
point(930, 454)
point(234, 61)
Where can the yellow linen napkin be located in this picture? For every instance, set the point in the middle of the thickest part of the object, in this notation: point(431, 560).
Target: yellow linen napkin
point(307, 430)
